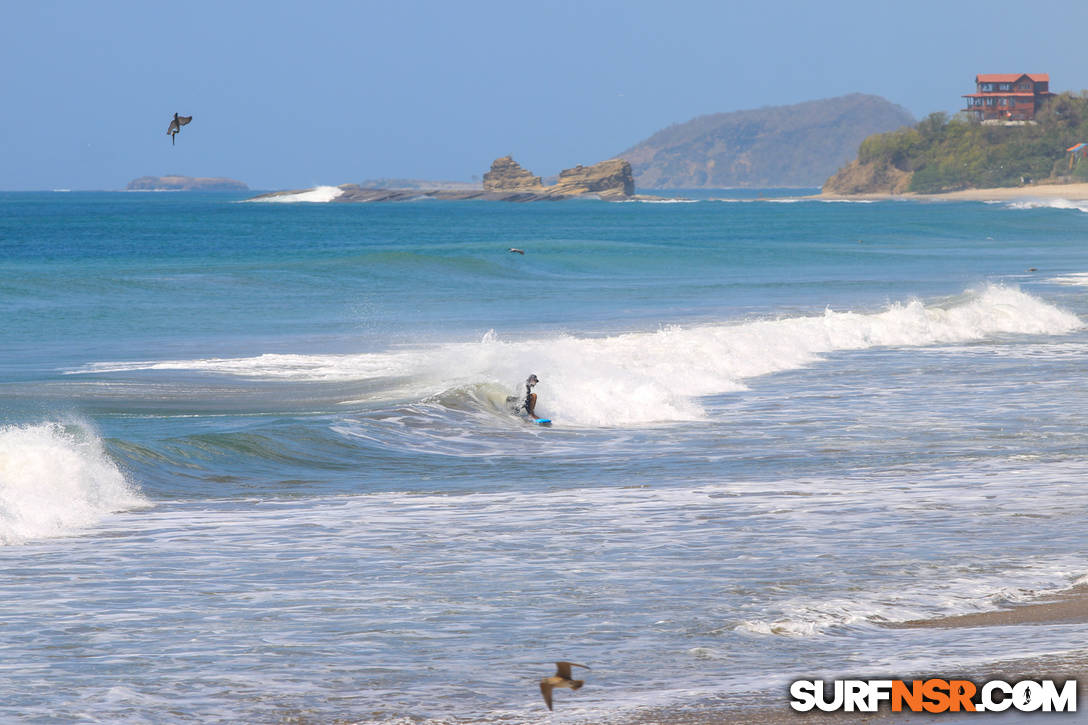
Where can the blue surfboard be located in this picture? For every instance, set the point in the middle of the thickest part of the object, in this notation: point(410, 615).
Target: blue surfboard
point(546, 422)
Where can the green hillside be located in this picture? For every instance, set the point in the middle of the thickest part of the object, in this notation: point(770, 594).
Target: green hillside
point(942, 154)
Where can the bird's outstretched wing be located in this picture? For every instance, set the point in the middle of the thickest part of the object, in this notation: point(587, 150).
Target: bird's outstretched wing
point(546, 690)
point(173, 127)
point(563, 668)
point(182, 120)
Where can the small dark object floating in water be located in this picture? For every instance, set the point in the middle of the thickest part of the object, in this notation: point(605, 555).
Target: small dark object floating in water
point(175, 126)
point(515, 250)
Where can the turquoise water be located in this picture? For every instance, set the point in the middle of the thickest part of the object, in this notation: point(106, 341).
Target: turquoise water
point(256, 460)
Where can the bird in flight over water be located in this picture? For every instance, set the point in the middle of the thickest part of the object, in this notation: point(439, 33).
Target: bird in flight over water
point(561, 678)
point(176, 125)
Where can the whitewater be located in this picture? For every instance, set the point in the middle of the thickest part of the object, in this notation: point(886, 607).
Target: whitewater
point(653, 377)
point(258, 463)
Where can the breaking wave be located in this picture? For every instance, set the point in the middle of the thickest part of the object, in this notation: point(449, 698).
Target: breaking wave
point(646, 377)
point(317, 194)
point(55, 480)
point(1081, 206)
point(1076, 279)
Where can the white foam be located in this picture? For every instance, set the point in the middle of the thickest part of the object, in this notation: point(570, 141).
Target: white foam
point(317, 195)
point(56, 480)
point(645, 377)
point(658, 201)
point(1077, 279)
point(1081, 206)
point(799, 200)
point(956, 593)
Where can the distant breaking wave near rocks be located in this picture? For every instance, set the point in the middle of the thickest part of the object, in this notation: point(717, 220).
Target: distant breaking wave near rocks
point(318, 194)
point(647, 377)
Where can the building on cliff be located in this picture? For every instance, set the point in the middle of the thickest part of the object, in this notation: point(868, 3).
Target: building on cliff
point(1008, 96)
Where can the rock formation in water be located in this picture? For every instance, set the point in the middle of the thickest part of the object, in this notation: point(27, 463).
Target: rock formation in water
point(610, 178)
point(185, 183)
point(508, 181)
point(508, 175)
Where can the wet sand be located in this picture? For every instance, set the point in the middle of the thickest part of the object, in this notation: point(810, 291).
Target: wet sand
point(1071, 666)
point(1072, 192)
point(1069, 607)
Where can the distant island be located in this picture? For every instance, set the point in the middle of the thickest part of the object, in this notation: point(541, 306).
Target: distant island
point(506, 181)
point(176, 182)
point(798, 145)
point(940, 155)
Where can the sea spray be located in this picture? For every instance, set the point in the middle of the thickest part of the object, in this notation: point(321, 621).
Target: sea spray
point(55, 480)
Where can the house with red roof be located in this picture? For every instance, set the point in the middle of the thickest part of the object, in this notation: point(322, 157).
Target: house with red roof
point(1008, 96)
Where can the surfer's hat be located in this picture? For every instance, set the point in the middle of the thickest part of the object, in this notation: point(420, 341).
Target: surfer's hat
point(532, 380)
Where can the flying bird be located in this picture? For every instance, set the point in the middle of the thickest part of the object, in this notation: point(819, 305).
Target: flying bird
point(176, 125)
point(561, 678)
point(515, 250)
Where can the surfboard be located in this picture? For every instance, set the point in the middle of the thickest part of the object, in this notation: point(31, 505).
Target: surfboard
point(546, 422)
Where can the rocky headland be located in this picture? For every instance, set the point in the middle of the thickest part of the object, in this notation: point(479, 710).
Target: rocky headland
point(506, 181)
point(867, 178)
point(176, 182)
point(959, 155)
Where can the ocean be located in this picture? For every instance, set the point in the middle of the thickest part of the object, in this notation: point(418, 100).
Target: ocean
point(257, 463)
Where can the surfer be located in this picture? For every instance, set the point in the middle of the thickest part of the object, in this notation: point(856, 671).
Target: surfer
point(529, 404)
point(530, 396)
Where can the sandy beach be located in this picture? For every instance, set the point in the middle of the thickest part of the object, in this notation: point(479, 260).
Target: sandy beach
point(1073, 192)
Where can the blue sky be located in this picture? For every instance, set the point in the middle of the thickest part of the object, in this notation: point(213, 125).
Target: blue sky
point(288, 95)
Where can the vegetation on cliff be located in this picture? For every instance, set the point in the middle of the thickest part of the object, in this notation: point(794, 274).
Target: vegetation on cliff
point(942, 154)
point(798, 145)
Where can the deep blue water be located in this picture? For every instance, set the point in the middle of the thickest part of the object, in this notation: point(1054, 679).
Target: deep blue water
point(257, 462)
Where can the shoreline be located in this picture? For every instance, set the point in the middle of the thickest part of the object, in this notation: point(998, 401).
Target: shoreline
point(1072, 192)
point(1072, 665)
point(1066, 607)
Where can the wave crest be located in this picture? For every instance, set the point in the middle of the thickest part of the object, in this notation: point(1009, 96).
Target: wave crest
point(55, 480)
point(649, 377)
